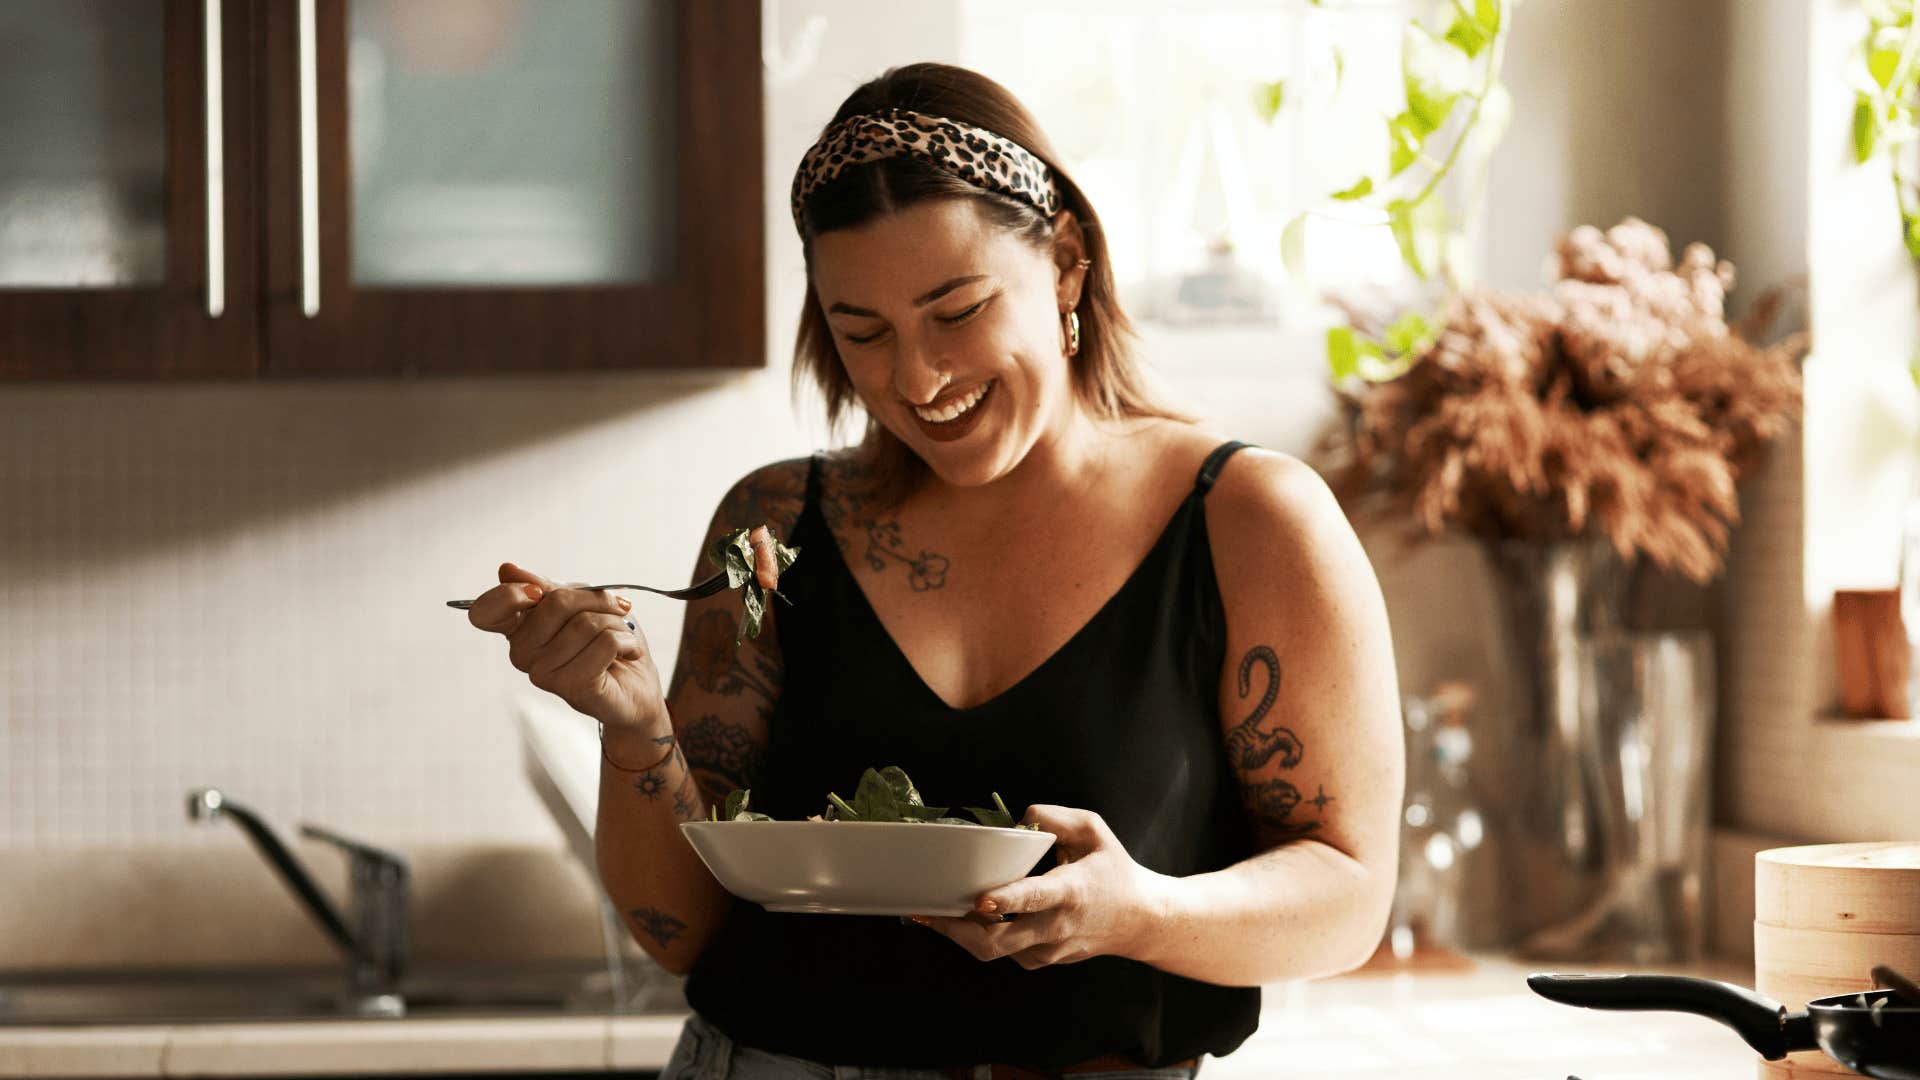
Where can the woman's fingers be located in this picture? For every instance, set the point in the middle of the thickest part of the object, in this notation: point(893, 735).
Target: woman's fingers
point(577, 677)
point(540, 626)
point(573, 640)
point(501, 608)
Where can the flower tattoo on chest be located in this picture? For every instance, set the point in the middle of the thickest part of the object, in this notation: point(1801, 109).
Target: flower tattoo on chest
point(850, 517)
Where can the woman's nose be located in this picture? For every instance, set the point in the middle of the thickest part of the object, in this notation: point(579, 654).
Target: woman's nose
point(917, 376)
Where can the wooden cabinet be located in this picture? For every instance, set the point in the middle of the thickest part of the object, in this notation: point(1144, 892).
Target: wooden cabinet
point(336, 187)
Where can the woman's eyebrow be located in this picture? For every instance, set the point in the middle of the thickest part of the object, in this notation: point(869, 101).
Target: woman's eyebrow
point(922, 300)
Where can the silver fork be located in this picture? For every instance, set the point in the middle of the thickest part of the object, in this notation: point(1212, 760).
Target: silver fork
point(692, 592)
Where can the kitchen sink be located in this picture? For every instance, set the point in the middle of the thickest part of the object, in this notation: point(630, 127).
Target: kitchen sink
point(167, 997)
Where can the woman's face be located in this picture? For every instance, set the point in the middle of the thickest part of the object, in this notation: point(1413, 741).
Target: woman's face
point(949, 328)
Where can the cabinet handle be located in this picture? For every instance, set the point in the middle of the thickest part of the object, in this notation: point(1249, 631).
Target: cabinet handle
point(309, 168)
point(216, 168)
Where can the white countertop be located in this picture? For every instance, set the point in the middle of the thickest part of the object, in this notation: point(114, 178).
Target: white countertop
point(1435, 1025)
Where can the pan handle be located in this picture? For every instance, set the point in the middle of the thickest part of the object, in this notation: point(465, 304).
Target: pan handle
point(1764, 1023)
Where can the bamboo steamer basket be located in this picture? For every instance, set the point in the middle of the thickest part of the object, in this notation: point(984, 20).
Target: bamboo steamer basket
point(1824, 914)
point(1857, 888)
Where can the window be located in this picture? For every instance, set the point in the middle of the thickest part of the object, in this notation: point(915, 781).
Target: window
point(1154, 109)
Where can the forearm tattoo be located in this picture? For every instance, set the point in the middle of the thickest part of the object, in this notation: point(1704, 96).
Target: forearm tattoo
point(654, 781)
point(851, 514)
point(659, 925)
point(684, 807)
point(1270, 801)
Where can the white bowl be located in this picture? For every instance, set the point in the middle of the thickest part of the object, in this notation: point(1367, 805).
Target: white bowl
point(864, 867)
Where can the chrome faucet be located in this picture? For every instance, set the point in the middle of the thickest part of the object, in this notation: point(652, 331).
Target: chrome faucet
point(378, 941)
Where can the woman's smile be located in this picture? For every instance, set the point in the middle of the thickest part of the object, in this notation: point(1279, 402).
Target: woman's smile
point(953, 416)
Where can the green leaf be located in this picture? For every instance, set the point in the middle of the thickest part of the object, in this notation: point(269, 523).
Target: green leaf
point(1361, 188)
point(1293, 246)
point(1404, 138)
point(1913, 371)
point(1409, 333)
point(1912, 236)
point(1487, 14)
point(1419, 228)
point(737, 808)
point(1866, 128)
point(1467, 35)
point(997, 818)
point(754, 606)
point(1435, 76)
point(1269, 97)
point(1889, 12)
point(1376, 367)
point(1343, 354)
point(902, 789)
point(1883, 54)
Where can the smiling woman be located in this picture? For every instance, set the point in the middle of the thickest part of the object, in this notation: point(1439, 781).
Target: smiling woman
point(1163, 647)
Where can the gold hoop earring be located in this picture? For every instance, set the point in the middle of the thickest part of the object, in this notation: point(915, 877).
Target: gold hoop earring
point(1073, 333)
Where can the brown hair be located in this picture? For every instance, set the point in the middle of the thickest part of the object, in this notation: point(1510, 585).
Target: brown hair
point(1106, 375)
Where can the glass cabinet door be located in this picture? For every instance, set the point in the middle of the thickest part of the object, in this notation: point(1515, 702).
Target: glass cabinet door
point(511, 142)
point(83, 168)
point(125, 208)
point(476, 185)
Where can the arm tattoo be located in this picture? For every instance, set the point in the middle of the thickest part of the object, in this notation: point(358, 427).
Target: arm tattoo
point(709, 657)
point(847, 511)
point(1270, 803)
point(726, 751)
point(659, 925)
point(684, 795)
point(1248, 746)
point(652, 782)
point(771, 496)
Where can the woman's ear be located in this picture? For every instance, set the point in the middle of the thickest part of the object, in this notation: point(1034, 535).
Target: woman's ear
point(1069, 252)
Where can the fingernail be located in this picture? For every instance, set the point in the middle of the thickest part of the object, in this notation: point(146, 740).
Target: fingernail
point(988, 907)
point(921, 920)
point(625, 604)
point(535, 592)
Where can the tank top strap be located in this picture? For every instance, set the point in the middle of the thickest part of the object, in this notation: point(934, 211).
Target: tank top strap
point(1210, 468)
point(813, 480)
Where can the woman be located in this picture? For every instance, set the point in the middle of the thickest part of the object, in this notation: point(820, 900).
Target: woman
point(1030, 578)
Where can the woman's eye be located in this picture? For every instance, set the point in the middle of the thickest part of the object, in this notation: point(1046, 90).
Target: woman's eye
point(952, 320)
point(875, 336)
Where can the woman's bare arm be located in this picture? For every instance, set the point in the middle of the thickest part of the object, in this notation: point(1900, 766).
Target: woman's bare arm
point(1309, 709)
point(721, 697)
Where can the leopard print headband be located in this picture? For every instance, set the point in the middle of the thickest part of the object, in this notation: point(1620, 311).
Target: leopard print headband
point(976, 155)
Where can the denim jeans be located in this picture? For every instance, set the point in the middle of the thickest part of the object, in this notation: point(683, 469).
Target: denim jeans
point(704, 1053)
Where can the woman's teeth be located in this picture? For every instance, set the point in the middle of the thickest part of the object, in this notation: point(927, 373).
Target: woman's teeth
point(955, 408)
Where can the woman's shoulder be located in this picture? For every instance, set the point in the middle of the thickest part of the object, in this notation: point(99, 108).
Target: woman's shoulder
point(1263, 497)
point(773, 494)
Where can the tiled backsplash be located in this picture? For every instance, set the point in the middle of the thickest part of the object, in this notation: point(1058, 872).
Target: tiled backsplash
point(242, 585)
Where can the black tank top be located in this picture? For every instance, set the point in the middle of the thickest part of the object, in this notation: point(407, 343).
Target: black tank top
point(1123, 720)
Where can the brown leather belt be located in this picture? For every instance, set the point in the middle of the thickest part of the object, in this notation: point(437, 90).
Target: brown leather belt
point(1108, 1063)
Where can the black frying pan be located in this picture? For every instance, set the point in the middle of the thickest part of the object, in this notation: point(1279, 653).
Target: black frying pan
point(1863, 1031)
